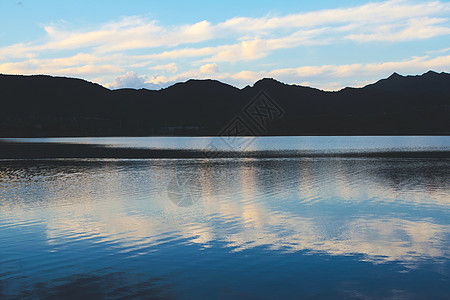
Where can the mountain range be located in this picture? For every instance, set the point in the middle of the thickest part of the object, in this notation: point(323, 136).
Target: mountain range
point(45, 106)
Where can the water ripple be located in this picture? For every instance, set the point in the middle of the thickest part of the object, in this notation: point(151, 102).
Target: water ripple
point(68, 223)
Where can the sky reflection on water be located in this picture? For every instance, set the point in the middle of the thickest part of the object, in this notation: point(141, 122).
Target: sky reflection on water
point(171, 226)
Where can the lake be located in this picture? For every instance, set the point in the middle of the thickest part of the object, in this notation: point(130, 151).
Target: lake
point(344, 225)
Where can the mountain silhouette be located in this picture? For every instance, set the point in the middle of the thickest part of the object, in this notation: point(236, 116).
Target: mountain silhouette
point(41, 106)
point(428, 82)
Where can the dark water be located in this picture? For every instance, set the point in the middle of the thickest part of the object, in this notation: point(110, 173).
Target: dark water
point(227, 228)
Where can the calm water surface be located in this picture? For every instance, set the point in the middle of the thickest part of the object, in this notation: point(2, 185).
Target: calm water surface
point(306, 143)
point(325, 227)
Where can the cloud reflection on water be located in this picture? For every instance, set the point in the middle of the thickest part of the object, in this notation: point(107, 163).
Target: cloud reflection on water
point(382, 209)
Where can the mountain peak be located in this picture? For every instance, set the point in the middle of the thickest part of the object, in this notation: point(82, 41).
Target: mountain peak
point(430, 73)
point(200, 84)
point(395, 75)
point(267, 81)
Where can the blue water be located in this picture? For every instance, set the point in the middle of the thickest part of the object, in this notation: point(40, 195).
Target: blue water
point(325, 227)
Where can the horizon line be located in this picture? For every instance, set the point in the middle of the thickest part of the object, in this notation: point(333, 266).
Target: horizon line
point(225, 83)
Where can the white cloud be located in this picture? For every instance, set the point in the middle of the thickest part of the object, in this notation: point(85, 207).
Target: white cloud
point(129, 33)
point(416, 29)
point(32, 67)
point(131, 80)
point(371, 13)
point(171, 68)
point(203, 72)
point(439, 51)
point(209, 69)
point(81, 64)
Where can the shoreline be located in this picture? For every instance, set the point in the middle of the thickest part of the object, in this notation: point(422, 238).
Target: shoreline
point(21, 150)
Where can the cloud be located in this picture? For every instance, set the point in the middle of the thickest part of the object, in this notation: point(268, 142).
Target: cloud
point(252, 49)
point(81, 64)
point(423, 28)
point(128, 33)
point(209, 69)
point(203, 72)
point(171, 68)
point(131, 80)
point(37, 67)
point(439, 51)
point(360, 16)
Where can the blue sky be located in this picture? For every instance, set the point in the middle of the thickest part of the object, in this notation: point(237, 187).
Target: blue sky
point(152, 44)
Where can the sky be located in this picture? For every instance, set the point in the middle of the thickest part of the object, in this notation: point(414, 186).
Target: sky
point(154, 44)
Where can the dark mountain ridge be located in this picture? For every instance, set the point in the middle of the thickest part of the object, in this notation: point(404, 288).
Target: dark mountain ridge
point(36, 106)
point(428, 82)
